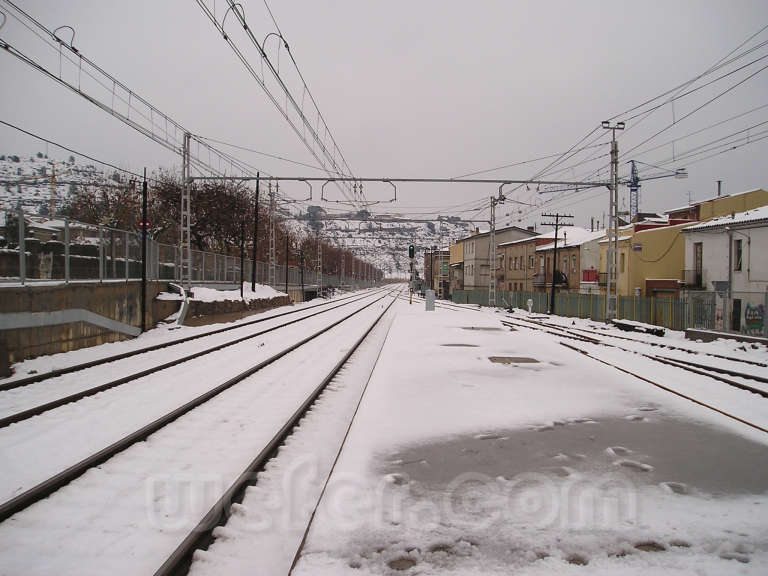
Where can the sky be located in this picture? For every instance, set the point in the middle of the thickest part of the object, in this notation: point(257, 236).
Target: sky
point(417, 89)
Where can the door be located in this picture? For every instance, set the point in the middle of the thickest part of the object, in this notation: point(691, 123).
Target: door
point(697, 261)
point(736, 315)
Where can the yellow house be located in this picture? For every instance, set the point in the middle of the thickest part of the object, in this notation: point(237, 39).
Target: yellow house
point(721, 206)
point(650, 261)
point(456, 262)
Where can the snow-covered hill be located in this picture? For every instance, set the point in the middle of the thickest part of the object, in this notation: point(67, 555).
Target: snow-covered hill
point(27, 180)
point(381, 239)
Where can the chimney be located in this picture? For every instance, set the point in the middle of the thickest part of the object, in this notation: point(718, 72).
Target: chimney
point(592, 224)
point(531, 229)
point(719, 187)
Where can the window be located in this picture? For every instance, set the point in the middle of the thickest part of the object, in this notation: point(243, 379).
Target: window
point(573, 263)
point(737, 255)
point(515, 262)
point(622, 257)
point(510, 262)
point(541, 264)
point(530, 262)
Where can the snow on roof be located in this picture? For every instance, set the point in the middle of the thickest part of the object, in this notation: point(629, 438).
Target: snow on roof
point(750, 216)
point(573, 237)
point(698, 202)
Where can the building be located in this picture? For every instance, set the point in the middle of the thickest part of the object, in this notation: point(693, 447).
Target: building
point(650, 259)
point(729, 252)
point(475, 254)
point(578, 261)
point(437, 271)
point(456, 267)
point(720, 206)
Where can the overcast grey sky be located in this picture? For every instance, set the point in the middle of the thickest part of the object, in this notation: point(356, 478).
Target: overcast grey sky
point(413, 88)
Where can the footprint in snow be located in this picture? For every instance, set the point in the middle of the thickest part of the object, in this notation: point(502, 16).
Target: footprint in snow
point(634, 465)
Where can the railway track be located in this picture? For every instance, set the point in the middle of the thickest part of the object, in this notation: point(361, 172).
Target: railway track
point(55, 482)
point(202, 534)
point(53, 398)
point(9, 384)
point(695, 368)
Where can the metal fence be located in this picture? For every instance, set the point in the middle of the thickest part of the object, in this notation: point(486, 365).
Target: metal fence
point(742, 312)
point(36, 249)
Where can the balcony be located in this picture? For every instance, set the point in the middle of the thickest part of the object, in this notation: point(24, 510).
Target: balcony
point(540, 280)
point(590, 276)
point(692, 279)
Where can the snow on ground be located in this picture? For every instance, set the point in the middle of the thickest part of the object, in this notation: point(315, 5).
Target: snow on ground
point(206, 294)
point(97, 421)
point(25, 397)
point(265, 531)
point(479, 450)
point(127, 515)
point(157, 335)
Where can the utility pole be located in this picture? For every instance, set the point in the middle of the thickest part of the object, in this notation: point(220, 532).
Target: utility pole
point(255, 234)
point(186, 217)
point(557, 225)
point(611, 300)
point(634, 192)
point(343, 258)
point(52, 205)
point(287, 240)
point(272, 281)
point(319, 265)
point(301, 272)
point(492, 251)
point(143, 253)
point(242, 255)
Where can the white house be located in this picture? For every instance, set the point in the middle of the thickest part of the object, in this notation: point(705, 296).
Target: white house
point(732, 252)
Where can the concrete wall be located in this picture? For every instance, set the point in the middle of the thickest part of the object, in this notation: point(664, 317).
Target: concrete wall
point(117, 300)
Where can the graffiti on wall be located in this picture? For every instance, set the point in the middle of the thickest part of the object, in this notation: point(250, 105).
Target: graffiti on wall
point(754, 319)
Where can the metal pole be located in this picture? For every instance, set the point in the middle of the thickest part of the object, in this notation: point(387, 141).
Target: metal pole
point(144, 252)
point(242, 255)
point(22, 247)
point(186, 215)
point(286, 261)
point(615, 167)
point(66, 250)
point(272, 281)
point(101, 254)
point(255, 234)
point(301, 272)
point(127, 254)
point(492, 256)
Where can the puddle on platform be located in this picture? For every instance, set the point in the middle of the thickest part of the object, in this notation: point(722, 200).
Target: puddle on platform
point(681, 455)
point(483, 328)
point(461, 345)
point(512, 360)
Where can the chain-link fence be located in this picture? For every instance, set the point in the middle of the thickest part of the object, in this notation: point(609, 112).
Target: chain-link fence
point(742, 312)
point(35, 249)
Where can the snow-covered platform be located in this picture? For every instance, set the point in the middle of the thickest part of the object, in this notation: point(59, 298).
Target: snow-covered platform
point(480, 450)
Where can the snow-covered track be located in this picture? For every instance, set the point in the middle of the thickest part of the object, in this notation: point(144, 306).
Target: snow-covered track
point(55, 482)
point(695, 368)
point(667, 388)
point(201, 535)
point(58, 400)
point(19, 382)
point(651, 343)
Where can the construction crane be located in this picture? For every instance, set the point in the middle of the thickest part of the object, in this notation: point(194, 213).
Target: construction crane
point(634, 184)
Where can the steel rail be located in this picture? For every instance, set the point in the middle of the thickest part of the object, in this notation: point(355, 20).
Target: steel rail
point(660, 359)
point(52, 484)
point(91, 363)
point(53, 404)
point(675, 392)
point(179, 561)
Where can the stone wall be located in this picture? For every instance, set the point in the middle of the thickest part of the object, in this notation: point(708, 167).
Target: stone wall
point(198, 308)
